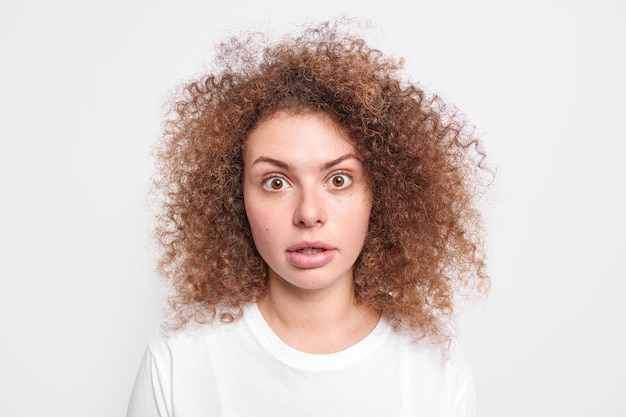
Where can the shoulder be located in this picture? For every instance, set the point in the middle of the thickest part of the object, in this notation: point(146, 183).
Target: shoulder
point(444, 364)
point(194, 338)
point(447, 358)
point(451, 373)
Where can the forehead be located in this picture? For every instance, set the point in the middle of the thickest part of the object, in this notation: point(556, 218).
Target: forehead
point(290, 135)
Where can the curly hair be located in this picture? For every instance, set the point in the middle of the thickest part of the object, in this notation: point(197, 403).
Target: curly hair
point(424, 244)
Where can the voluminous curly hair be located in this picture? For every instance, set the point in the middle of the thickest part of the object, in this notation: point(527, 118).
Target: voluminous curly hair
point(424, 166)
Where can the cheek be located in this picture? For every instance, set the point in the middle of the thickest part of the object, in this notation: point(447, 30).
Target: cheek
point(363, 220)
point(262, 236)
point(361, 217)
point(354, 223)
point(260, 221)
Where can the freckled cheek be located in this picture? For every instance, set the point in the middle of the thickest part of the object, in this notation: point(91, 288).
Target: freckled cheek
point(353, 210)
point(259, 221)
point(361, 220)
point(263, 233)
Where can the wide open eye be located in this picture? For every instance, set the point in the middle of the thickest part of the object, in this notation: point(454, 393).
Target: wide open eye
point(339, 181)
point(275, 183)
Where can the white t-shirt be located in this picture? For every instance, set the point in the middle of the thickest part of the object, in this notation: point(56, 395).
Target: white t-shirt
point(244, 369)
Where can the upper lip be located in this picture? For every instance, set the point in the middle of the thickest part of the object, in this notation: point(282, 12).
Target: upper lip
point(309, 245)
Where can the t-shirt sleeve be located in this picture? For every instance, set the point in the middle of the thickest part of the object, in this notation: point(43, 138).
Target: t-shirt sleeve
point(150, 394)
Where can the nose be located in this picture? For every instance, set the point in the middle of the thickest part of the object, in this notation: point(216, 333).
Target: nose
point(310, 210)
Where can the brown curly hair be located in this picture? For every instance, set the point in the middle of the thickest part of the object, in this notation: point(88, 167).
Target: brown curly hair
point(424, 244)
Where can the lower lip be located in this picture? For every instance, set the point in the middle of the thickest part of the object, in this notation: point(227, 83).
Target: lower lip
point(313, 260)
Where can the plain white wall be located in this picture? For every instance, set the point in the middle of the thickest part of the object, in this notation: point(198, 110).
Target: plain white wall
point(81, 89)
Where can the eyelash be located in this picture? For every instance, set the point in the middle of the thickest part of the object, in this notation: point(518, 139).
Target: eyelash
point(267, 181)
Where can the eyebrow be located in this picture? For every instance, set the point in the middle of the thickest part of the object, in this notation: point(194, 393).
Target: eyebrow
point(285, 165)
point(276, 162)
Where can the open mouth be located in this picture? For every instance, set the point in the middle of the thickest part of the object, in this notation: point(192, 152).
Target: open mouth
point(310, 251)
point(310, 255)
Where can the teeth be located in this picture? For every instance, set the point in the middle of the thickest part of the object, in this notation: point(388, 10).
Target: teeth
point(310, 251)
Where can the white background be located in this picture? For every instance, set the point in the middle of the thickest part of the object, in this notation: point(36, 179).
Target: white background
point(81, 89)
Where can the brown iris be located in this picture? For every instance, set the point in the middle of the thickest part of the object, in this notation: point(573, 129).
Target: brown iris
point(276, 184)
point(338, 181)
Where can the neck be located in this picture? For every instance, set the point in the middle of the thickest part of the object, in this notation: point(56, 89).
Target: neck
point(316, 321)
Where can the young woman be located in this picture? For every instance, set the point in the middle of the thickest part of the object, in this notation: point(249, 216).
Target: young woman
point(318, 224)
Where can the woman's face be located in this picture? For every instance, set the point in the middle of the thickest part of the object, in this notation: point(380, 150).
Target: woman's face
point(307, 199)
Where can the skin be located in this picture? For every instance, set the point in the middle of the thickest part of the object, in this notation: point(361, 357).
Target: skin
point(308, 204)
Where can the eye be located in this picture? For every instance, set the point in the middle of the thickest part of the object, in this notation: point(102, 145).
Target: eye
point(339, 181)
point(275, 183)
